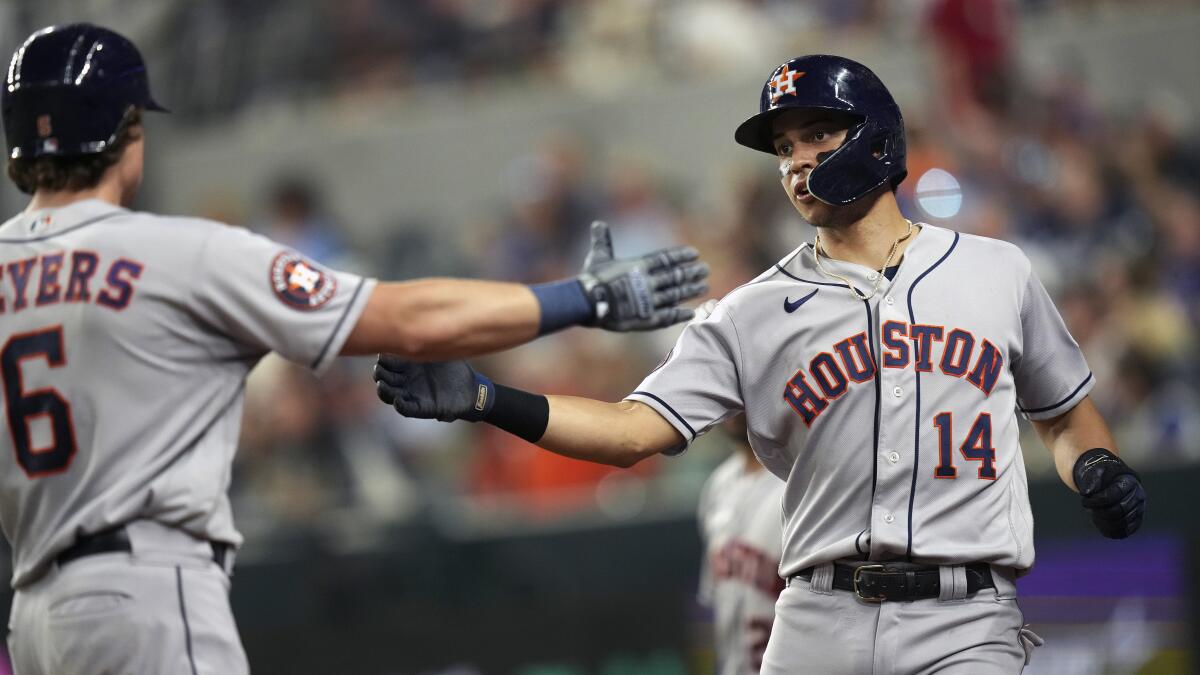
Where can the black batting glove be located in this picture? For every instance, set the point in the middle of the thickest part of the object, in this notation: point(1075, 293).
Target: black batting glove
point(640, 293)
point(446, 391)
point(1112, 491)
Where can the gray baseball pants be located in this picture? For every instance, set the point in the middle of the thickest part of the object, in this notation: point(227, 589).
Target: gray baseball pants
point(162, 609)
point(819, 629)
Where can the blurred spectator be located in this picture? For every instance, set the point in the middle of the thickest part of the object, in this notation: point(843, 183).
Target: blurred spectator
point(546, 232)
point(297, 220)
point(289, 466)
point(974, 38)
point(607, 44)
point(1159, 418)
point(638, 215)
point(706, 37)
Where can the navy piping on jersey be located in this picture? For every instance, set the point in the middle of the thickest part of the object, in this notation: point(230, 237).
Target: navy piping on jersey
point(807, 281)
point(912, 319)
point(338, 327)
point(875, 419)
point(856, 547)
point(1068, 398)
point(187, 631)
point(669, 409)
point(890, 273)
point(62, 232)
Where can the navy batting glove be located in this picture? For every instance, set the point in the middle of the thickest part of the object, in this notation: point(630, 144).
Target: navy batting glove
point(443, 391)
point(1112, 491)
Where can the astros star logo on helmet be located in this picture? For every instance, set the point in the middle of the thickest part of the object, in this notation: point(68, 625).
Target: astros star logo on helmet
point(784, 83)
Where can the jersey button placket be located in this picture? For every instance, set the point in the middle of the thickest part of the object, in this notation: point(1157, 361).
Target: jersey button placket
point(889, 529)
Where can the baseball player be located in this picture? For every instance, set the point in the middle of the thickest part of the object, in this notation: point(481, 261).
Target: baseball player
point(740, 523)
point(880, 368)
point(126, 341)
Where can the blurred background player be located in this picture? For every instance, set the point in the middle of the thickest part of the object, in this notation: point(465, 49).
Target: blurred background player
point(126, 342)
point(741, 523)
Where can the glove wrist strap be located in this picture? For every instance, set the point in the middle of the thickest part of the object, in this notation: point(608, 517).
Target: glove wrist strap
point(518, 412)
point(485, 398)
point(1087, 459)
point(563, 304)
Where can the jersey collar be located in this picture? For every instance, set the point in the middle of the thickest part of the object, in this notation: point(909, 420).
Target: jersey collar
point(42, 222)
point(927, 246)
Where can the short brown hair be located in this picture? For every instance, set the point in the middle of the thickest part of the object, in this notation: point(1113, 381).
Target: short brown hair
point(78, 172)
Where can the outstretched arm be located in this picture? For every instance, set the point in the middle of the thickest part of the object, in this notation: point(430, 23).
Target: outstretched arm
point(621, 434)
point(438, 319)
point(444, 319)
point(1085, 455)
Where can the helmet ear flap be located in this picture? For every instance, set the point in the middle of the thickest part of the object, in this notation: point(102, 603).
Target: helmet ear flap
point(881, 145)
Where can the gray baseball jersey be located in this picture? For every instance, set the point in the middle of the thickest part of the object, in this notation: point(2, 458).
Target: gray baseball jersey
point(742, 526)
point(892, 420)
point(127, 339)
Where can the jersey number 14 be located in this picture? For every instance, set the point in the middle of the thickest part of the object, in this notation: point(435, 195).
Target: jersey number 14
point(977, 447)
point(23, 407)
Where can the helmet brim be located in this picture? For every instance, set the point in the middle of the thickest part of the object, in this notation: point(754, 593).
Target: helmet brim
point(756, 132)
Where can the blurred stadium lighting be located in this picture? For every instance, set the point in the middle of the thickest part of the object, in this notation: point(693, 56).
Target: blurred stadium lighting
point(939, 194)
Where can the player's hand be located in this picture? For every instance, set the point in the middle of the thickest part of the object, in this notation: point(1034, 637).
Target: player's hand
point(446, 391)
point(640, 293)
point(1112, 491)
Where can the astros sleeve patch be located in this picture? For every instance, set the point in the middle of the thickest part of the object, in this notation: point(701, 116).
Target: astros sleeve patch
point(260, 294)
point(299, 283)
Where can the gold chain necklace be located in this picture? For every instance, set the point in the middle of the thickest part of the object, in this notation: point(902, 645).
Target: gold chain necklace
point(817, 253)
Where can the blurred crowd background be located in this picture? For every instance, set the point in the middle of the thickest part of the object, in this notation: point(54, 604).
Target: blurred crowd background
point(480, 138)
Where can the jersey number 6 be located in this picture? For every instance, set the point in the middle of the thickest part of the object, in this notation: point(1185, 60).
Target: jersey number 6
point(976, 447)
point(24, 406)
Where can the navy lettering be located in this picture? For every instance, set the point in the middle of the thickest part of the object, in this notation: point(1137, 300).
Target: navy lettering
point(18, 272)
point(804, 400)
point(978, 446)
point(858, 363)
point(923, 337)
point(120, 278)
point(957, 356)
point(828, 375)
point(83, 266)
point(49, 291)
point(944, 422)
point(896, 355)
point(987, 369)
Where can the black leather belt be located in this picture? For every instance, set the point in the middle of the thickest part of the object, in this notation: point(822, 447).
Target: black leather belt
point(899, 581)
point(116, 540)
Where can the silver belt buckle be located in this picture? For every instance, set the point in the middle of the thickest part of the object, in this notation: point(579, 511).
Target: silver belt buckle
point(858, 592)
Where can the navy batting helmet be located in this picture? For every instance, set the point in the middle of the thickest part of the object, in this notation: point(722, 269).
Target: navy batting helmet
point(68, 90)
point(873, 152)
